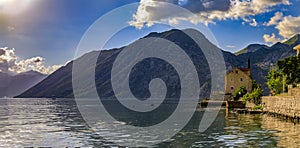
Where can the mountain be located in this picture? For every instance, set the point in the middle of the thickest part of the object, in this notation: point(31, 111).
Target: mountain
point(59, 84)
point(251, 48)
point(264, 57)
point(294, 41)
point(12, 85)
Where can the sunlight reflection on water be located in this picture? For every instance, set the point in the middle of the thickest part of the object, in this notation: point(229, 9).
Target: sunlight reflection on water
point(57, 123)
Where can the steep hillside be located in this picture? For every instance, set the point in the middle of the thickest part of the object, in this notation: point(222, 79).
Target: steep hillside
point(251, 48)
point(265, 57)
point(59, 84)
point(12, 85)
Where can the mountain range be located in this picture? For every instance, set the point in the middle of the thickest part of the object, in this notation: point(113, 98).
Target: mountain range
point(12, 85)
point(263, 57)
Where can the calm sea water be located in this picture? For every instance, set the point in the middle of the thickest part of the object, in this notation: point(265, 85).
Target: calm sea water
point(57, 123)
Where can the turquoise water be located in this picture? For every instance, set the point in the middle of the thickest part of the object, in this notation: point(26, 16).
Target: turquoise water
point(57, 123)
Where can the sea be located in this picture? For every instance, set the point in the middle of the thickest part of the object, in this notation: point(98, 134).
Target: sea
point(58, 123)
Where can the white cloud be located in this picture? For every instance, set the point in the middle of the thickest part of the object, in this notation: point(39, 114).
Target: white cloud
point(275, 19)
point(10, 63)
point(271, 38)
point(253, 23)
point(289, 26)
point(230, 46)
point(11, 28)
point(208, 11)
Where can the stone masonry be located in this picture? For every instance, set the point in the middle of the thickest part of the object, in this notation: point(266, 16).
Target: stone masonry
point(284, 105)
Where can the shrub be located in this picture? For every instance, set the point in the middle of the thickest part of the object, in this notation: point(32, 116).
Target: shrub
point(239, 93)
point(254, 96)
point(257, 107)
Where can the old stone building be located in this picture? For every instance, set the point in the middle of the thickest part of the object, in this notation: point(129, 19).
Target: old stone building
point(237, 78)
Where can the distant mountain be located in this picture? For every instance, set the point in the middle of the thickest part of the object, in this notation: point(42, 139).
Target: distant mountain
point(59, 84)
point(251, 48)
point(12, 85)
point(294, 41)
point(264, 57)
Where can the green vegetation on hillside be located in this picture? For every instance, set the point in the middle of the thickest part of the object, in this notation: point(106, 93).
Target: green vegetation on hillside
point(292, 41)
point(241, 51)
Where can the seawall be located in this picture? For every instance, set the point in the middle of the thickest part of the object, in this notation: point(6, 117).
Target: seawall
point(288, 106)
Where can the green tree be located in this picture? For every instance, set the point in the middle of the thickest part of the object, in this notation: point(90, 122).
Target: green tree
point(254, 96)
point(239, 93)
point(275, 81)
point(291, 68)
point(286, 73)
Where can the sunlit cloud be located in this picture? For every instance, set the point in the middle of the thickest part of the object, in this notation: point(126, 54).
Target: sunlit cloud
point(10, 63)
point(230, 46)
point(271, 38)
point(253, 23)
point(275, 19)
point(12, 7)
point(208, 11)
point(289, 26)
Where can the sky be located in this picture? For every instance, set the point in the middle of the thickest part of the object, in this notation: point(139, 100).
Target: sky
point(43, 35)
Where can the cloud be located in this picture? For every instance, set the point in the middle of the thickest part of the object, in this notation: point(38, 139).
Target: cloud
point(2, 51)
point(11, 28)
point(275, 19)
point(204, 11)
point(289, 26)
point(3, 21)
point(271, 38)
point(253, 23)
point(10, 63)
point(230, 46)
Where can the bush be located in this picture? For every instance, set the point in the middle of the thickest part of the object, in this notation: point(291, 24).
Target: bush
point(254, 96)
point(257, 107)
point(287, 72)
point(239, 93)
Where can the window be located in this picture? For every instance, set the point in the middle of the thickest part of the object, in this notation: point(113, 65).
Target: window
point(241, 79)
point(236, 72)
point(231, 79)
point(232, 88)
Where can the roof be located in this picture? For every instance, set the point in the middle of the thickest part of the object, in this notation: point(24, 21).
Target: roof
point(244, 69)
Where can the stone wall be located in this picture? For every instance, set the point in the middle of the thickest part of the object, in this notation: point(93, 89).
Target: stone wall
point(250, 105)
point(282, 105)
point(294, 92)
point(235, 104)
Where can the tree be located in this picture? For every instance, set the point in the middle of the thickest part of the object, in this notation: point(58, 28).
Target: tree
point(291, 68)
point(275, 81)
point(239, 93)
point(286, 73)
point(254, 96)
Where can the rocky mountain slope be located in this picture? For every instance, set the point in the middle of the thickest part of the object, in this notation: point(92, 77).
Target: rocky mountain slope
point(12, 85)
point(263, 57)
point(59, 84)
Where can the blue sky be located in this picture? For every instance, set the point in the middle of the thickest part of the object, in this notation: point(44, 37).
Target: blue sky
point(52, 29)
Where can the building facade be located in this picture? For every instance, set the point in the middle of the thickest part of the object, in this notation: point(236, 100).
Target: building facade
point(237, 78)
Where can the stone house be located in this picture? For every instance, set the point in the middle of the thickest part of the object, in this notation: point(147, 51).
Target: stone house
point(237, 78)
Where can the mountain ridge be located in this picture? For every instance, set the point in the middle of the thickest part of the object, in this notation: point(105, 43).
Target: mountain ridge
point(59, 84)
point(12, 85)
